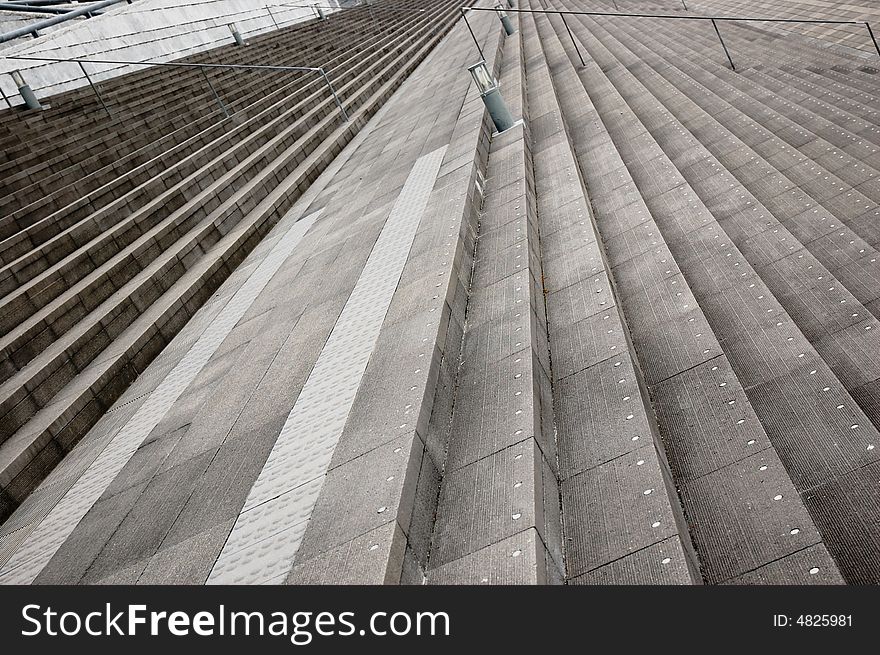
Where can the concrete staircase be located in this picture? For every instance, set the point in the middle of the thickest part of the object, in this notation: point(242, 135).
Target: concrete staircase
point(631, 340)
point(110, 246)
point(767, 246)
point(705, 242)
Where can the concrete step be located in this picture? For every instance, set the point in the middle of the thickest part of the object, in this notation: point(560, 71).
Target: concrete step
point(610, 452)
point(295, 312)
point(301, 46)
point(499, 495)
point(114, 180)
point(815, 87)
point(856, 136)
point(409, 383)
point(844, 80)
point(791, 43)
point(143, 229)
point(718, 484)
point(830, 301)
point(81, 104)
point(606, 346)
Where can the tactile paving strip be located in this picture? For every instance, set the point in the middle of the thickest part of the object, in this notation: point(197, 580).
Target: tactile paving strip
point(305, 446)
point(50, 533)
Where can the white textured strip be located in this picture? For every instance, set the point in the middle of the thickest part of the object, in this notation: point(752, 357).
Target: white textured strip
point(290, 481)
point(36, 551)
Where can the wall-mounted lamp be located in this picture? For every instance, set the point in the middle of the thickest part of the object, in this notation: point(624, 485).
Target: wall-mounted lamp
point(505, 20)
point(27, 94)
point(236, 35)
point(491, 96)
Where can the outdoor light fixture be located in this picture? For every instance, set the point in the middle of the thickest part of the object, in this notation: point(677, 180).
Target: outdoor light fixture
point(505, 19)
point(320, 12)
point(27, 94)
point(236, 35)
point(491, 96)
point(511, 4)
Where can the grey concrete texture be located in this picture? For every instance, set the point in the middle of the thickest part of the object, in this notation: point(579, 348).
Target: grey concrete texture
point(375, 557)
point(697, 216)
point(301, 169)
point(215, 429)
point(423, 332)
point(635, 338)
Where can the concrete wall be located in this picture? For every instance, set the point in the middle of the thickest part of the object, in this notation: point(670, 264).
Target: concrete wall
point(146, 30)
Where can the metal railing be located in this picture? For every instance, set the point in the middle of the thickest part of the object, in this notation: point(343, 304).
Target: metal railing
point(319, 70)
point(34, 29)
point(31, 8)
point(562, 13)
point(283, 7)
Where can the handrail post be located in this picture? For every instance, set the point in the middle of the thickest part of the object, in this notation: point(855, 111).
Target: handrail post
point(323, 74)
point(82, 67)
point(369, 4)
point(684, 5)
point(718, 32)
point(214, 91)
point(871, 32)
point(616, 8)
point(272, 16)
point(473, 36)
point(573, 42)
point(6, 98)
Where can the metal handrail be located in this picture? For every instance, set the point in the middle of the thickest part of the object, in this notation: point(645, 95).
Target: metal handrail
point(49, 22)
point(562, 13)
point(33, 9)
point(314, 69)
